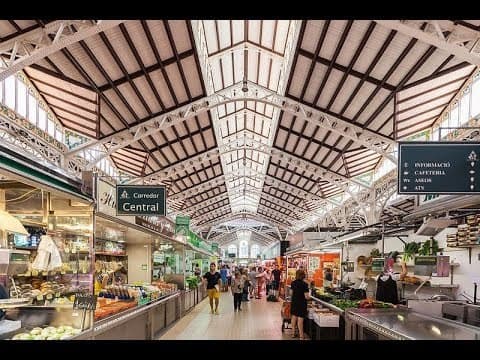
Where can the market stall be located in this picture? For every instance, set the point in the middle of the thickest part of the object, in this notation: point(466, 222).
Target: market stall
point(46, 255)
point(139, 272)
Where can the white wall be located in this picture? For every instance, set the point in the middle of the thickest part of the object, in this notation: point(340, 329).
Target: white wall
point(139, 255)
point(354, 251)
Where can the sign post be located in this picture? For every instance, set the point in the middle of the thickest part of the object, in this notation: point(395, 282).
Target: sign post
point(439, 168)
point(84, 301)
point(141, 200)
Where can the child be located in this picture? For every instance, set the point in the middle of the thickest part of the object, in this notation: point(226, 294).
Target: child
point(237, 291)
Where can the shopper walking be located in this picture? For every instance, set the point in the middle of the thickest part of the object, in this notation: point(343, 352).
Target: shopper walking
point(300, 295)
point(252, 275)
point(213, 282)
point(237, 291)
point(223, 274)
point(246, 284)
point(276, 276)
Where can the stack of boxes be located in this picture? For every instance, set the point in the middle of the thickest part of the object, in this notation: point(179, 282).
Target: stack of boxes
point(467, 234)
point(452, 240)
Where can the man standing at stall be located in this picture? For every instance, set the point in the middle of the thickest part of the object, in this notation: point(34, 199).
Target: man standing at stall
point(213, 281)
point(276, 275)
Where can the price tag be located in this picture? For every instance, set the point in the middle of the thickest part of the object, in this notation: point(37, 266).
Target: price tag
point(49, 297)
point(34, 273)
point(45, 273)
point(40, 297)
point(85, 301)
point(28, 273)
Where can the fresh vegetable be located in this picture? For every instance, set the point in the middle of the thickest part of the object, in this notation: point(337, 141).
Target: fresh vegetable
point(424, 250)
point(345, 304)
point(409, 250)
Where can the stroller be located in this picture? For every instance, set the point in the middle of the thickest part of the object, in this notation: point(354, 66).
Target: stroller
point(286, 315)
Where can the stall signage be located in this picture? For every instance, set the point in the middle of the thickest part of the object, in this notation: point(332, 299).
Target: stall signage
point(182, 220)
point(439, 168)
point(141, 200)
point(106, 198)
point(85, 301)
point(378, 264)
point(214, 247)
point(161, 225)
point(425, 260)
point(182, 226)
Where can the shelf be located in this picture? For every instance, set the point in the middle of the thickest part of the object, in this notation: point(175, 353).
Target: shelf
point(447, 286)
point(26, 247)
point(464, 246)
point(50, 273)
point(78, 252)
point(110, 254)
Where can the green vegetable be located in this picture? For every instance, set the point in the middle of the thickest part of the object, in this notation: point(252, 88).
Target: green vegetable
point(409, 250)
point(345, 304)
point(425, 249)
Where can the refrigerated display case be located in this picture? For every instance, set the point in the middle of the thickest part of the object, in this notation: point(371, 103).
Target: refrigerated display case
point(49, 255)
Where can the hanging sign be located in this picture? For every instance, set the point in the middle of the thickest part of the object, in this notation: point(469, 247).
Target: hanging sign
point(182, 226)
point(439, 168)
point(141, 200)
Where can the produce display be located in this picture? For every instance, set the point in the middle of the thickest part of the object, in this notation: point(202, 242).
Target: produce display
point(345, 304)
point(361, 304)
point(117, 298)
point(374, 304)
point(48, 333)
point(192, 282)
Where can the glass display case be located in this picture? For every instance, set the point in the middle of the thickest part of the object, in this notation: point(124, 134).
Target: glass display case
point(168, 262)
point(55, 241)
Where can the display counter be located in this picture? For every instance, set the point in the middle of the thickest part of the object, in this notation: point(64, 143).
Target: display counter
point(325, 325)
point(140, 323)
point(192, 297)
point(403, 324)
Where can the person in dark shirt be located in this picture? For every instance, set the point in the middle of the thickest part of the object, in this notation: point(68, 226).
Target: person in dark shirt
point(213, 281)
point(300, 295)
point(276, 280)
point(328, 280)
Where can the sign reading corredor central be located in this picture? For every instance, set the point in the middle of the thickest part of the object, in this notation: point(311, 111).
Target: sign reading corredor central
point(141, 200)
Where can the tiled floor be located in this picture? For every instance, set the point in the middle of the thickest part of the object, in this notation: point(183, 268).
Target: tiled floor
point(258, 320)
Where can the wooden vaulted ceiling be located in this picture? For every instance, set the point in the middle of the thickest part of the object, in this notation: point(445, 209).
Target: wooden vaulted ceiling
point(355, 70)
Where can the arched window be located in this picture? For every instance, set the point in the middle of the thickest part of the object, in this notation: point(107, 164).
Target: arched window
point(243, 249)
point(255, 250)
point(232, 249)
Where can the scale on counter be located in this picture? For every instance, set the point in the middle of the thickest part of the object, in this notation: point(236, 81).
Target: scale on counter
point(13, 262)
